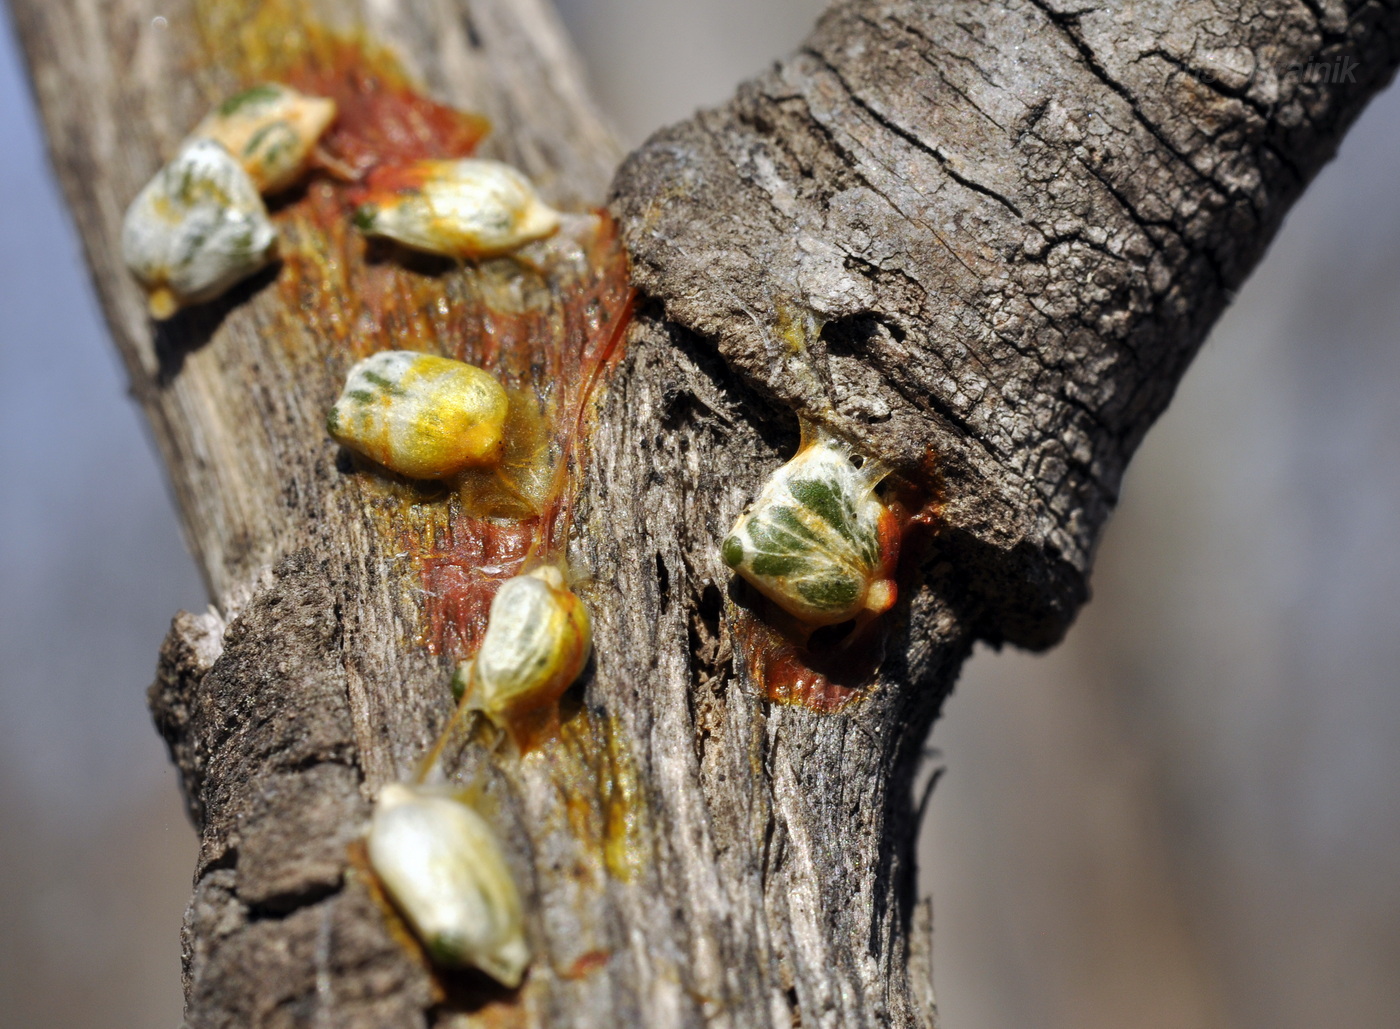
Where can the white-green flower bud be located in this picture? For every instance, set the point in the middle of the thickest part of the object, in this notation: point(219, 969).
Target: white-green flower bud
point(468, 208)
point(272, 130)
point(196, 229)
point(538, 638)
point(818, 541)
point(444, 870)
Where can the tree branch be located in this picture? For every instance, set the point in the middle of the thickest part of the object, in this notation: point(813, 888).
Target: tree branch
point(1013, 223)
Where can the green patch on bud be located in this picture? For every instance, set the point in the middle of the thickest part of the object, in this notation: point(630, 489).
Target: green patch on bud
point(824, 499)
point(778, 564)
point(732, 551)
point(834, 593)
point(251, 97)
point(387, 385)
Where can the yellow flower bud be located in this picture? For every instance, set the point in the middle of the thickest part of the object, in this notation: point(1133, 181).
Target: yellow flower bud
point(196, 229)
point(271, 130)
point(422, 416)
point(468, 208)
point(444, 870)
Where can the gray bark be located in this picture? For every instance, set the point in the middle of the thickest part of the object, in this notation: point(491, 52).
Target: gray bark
point(1013, 222)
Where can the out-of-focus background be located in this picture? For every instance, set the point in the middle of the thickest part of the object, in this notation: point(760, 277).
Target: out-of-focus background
point(1187, 816)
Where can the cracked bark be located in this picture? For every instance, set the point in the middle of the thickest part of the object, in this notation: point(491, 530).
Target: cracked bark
point(1014, 222)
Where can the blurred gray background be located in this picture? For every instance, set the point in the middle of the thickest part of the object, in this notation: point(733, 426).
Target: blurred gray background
point(1187, 816)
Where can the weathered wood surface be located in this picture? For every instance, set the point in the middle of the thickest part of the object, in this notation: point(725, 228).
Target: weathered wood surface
point(1016, 221)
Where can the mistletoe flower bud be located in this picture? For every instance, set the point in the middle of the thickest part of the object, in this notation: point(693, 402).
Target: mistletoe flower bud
point(196, 229)
point(819, 542)
point(469, 208)
point(444, 870)
point(271, 130)
point(422, 416)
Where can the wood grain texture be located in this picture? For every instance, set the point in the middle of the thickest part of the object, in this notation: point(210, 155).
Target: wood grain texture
point(1014, 222)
